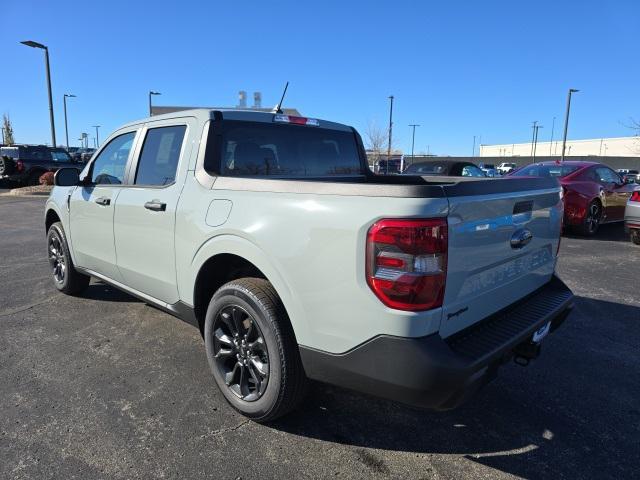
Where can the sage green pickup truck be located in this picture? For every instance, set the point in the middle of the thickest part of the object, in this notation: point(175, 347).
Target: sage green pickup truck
point(271, 235)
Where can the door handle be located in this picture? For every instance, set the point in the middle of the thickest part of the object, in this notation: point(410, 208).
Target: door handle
point(103, 201)
point(156, 206)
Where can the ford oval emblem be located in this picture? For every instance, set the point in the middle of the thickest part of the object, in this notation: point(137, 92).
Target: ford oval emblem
point(521, 238)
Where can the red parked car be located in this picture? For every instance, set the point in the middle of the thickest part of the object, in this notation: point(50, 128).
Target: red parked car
point(593, 193)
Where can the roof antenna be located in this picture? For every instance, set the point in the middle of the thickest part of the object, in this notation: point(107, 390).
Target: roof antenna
point(278, 108)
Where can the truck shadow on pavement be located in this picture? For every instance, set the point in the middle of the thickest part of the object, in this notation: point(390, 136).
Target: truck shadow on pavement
point(573, 412)
point(100, 291)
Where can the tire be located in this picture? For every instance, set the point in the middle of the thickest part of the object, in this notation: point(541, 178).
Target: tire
point(591, 222)
point(7, 166)
point(34, 178)
point(239, 354)
point(635, 236)
point(65, 277)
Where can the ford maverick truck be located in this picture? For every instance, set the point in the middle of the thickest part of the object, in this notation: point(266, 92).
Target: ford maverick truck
point(271, 235)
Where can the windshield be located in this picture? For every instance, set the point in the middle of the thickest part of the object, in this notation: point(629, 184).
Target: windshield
point(260, 148)
point(59, 156)
point(545, 171)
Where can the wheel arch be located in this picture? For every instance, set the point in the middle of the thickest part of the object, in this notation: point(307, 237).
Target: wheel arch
point(228, 257)
point(50, 218)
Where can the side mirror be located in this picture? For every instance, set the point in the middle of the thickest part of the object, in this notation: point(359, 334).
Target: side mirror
point(67, 177)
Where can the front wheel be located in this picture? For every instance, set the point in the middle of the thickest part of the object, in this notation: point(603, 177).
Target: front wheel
point(252, 351)
point(635, 236)
point(65, 276)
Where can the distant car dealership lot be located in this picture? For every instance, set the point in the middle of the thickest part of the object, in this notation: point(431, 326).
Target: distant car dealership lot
point(127, 393)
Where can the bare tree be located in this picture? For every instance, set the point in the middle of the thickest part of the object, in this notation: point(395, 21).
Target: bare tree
point(376, 143)
point(635, 126)
point(7, 130)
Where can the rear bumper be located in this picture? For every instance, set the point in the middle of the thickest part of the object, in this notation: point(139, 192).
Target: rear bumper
point(438, 373)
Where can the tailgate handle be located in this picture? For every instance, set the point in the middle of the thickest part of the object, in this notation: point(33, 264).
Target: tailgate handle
point(521, 238)
point(523, 207)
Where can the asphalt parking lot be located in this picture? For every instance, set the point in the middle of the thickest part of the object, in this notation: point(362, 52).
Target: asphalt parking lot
point(105, 386)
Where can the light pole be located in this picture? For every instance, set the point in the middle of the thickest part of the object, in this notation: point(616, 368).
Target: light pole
point(413, 138)
point(566, 121)
point(390, 131)
point(32, 44)
point(533, 136)
point(151, 92)
point(553, 126)
point(66, 129)
point(97, 137)
point(473, 149)
point(2, 135)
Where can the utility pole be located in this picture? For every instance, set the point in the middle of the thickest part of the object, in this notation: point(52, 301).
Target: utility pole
point(473, 149)
point(535, 141)
point(413, 139)
point(390, 130)
point(533, 137)
point(566, 122)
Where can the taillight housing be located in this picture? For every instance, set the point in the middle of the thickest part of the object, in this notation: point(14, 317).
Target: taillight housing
point(19, 166)
point(635, 196)
point(407, 262)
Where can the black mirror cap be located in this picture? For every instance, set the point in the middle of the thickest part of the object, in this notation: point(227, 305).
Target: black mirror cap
point(67, 177)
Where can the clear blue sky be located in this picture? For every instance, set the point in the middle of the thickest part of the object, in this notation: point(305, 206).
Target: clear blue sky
point(485, 68)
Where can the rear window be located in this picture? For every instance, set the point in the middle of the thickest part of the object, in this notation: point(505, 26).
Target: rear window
point(545, 171)
point(243, 149)
point(427, 168)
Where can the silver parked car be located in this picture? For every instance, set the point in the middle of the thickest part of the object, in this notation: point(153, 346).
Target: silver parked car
point(632, 217)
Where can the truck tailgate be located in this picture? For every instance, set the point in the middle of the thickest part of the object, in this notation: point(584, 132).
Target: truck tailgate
point(502, 247)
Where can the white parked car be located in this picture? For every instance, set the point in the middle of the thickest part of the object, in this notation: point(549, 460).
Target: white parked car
point(506, 167)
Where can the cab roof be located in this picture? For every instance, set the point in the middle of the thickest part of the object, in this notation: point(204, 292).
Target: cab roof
point(249, 115)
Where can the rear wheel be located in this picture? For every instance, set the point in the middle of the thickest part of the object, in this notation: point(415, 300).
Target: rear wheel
point(34, 178)
point(65, 277)
point(252, 351)
point(7, 165)
point(635, 236)
point(592, 219)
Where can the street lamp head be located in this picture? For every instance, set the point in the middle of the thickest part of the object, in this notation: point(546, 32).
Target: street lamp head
point(151, 92)
point(69, 95)
point(32, 44)
point(573, 90)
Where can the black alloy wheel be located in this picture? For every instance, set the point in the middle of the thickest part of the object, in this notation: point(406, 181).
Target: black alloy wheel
point(240, 353)
point(57, 258)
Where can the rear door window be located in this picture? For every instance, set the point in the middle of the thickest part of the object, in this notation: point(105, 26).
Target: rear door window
point(160, 155)
point(284, 150)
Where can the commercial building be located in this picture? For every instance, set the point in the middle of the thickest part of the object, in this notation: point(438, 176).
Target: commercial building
point(601, 147)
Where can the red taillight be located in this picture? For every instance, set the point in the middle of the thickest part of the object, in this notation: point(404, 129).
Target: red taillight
point(296, 120)
point(407, 262)
point(19, 166)
point(635, 196)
